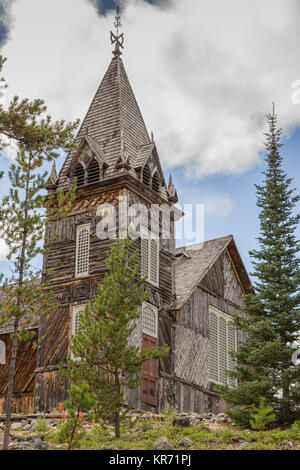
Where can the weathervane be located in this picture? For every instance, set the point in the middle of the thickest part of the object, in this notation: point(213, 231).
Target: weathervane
point(117, 38)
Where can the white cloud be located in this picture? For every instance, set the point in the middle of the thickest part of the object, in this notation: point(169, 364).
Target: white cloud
point(204, 73)
point(3, 249)
point(218, 204)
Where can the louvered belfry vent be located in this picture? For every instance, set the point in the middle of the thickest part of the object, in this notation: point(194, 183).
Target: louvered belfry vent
point(79, 174)
point(93, 172)
point(156, 183)
point(146, 176)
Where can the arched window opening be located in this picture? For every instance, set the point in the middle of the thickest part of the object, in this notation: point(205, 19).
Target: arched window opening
point(79, 174)
point(146, 176)
point(2, 353)
point(156, 183)
point(94, 172)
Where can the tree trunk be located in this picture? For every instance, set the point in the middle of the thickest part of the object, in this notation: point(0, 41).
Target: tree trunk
point(117, 412)
point(16, 324)
point(9, 397)
point(286, 397)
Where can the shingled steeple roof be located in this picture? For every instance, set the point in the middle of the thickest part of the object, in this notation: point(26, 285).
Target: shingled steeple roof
point(114, 121)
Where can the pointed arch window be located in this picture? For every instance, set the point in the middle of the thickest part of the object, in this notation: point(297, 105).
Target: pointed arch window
point(2, 353)
point(93, 172)
point(156, 182)
point(79, 174)
point(146, 176)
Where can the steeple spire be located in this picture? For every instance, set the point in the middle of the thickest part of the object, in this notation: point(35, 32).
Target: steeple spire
point(53, 175)
point(116, 38)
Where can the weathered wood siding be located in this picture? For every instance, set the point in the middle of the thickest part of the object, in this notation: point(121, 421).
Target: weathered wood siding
point(188, 386)
point(56, 329)
point(24, 375)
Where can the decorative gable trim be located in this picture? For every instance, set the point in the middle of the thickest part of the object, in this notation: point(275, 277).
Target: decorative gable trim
point(85, 157)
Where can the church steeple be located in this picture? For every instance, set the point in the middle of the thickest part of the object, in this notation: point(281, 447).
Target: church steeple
point(114, 129)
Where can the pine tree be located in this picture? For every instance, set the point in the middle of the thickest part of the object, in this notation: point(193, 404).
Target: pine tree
point(24, 213)
point(270, 318)
point(102, 355)
point(72, 431)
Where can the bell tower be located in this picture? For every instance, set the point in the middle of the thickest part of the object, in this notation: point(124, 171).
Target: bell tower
point(114, 160)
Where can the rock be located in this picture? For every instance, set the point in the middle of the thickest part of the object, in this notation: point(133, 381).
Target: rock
point(222, 419)
point(38, 444)
point(18, 446)
point(185, 442)
point(24, 422)
point(181, 421)
point(163, 443)
point(244, 445)
point(238, 439)
point(27, 427)
point(15, 426)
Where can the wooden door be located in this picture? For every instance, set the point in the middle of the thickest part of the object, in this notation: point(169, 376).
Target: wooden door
point(149, 373)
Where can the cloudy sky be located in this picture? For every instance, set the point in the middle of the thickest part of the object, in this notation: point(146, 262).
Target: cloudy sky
point(205, 73)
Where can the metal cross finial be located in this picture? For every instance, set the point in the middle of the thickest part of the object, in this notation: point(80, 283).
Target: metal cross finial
point(117, 38)
point(117, 22)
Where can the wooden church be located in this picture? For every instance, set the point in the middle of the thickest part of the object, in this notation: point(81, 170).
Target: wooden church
point(194, 290)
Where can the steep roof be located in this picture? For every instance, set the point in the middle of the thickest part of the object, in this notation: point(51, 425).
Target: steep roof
point(194, 261)
point(113, 121)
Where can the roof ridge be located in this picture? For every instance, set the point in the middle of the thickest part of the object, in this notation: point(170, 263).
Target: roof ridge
point(186, 247)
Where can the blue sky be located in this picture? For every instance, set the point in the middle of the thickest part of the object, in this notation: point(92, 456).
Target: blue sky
point(199, 90)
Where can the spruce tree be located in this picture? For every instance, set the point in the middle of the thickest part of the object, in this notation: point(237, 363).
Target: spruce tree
point(102, 355)
point(270, 317)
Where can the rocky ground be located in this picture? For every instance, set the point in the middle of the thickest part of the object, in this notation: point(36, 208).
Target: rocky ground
point(149, 431)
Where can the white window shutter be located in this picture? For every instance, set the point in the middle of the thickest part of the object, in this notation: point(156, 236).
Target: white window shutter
point(82, 250)
point(222, 340)
point(154, 260)
point(2, 353)
point(232, 344)
point(150, 256)
point(144, 257)
point(213, 347)
point(149, 319)
point(77, 311)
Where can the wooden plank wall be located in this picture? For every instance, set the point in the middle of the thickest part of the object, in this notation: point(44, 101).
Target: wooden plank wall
point(188, 386)
point(24, 375)
point(56, 328)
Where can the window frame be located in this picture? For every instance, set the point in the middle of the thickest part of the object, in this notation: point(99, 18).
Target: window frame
point(228, 318)
point(80, 228)
point(155, 311)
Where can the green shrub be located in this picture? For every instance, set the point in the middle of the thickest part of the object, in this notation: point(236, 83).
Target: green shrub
point(41, 426)
point(262, 416)
point(240, 416)
point(169, 414)
point(226, 436)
